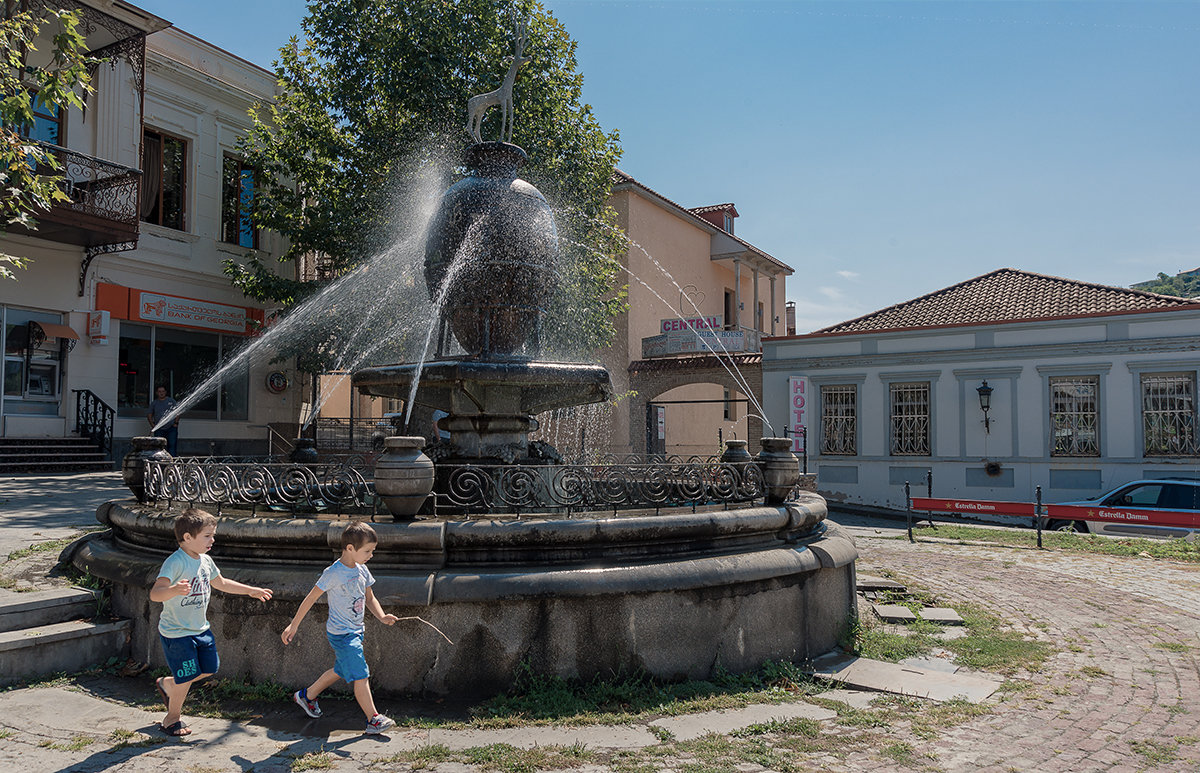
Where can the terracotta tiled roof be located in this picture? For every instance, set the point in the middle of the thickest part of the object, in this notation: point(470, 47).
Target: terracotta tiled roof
point(1007, 295)
point(713, 208)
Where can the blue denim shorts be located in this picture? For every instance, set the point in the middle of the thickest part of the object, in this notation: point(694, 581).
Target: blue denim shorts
point(349, 661)
point(190, 656)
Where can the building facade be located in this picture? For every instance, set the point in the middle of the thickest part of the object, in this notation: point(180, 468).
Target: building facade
point(124, 290)
point(1086, 387)
point(687, 354)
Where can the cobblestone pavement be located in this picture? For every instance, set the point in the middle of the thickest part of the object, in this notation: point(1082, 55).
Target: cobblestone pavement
point(1118, 694)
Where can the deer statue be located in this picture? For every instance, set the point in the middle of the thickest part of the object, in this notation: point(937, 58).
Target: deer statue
point(477, 106)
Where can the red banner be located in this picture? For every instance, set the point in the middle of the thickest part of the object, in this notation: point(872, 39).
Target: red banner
point(1176, 518)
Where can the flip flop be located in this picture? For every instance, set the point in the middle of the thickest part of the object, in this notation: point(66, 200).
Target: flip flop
point(178, 729)
point(163, 693)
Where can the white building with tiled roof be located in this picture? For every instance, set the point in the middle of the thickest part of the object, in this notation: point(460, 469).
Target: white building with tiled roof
point(1088, 387)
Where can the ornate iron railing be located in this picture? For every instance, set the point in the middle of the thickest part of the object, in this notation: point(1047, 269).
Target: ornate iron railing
point(339, 487)
point(579, 487)
point(94, 419)
point(97, 187)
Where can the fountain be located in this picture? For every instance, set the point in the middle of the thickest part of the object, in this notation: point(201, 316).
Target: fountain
point(677, 570)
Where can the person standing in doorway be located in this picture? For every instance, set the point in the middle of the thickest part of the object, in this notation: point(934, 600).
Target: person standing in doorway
point(160, 406)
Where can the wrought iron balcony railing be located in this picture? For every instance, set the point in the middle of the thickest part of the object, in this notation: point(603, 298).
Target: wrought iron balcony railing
point(98, 188)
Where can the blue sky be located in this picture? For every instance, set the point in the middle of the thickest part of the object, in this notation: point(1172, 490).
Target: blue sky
point(887, 149)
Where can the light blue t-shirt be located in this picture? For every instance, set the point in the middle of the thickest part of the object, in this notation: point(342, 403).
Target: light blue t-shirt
point(187, 615)
point(346, 589)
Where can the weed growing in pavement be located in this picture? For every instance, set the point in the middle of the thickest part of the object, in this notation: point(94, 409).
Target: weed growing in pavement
point(989, 646)
point(125, 739)
point(1177, 708)
point(1172, 646)
point(75, 744)
point(899, 752)
point(6, 733)
point(1093, 671)
point(48, 545)
point(319, 760)
point(1157, 752)
point(1171, 549)
point(502, 756)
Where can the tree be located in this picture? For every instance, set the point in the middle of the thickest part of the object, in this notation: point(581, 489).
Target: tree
point(1182, 285)
point(27, 170)
point(379, 83)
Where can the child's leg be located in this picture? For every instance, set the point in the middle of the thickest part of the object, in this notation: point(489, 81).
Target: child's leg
point(323, 681)
point(176, 694)
point(362, 694)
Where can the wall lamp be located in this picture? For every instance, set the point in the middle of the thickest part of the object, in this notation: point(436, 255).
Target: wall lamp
point(985, 404)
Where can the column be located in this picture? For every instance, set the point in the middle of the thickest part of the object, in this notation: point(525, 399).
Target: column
point(773, 314)
point(737, 294)
point(754, 312)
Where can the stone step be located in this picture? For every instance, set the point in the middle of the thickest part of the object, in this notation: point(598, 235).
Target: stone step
point(40, 455)
point(867, 674)
point(60, 647)
point(21, 442)
point(45, 607)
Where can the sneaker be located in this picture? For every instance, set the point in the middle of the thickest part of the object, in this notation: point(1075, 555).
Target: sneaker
point(310, 707)
point(378, 724)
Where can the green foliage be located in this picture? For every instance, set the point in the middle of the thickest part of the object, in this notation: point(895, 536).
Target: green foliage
point(29, 181)
point(1185, 286)
point(377, 88)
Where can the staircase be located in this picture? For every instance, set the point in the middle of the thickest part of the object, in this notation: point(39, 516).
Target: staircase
point(51, 456)
point(52, 631)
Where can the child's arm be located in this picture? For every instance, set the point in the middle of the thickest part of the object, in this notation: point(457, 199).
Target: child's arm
point(163, 589)
point(309, 600)
point(377, 610)
point(226, 585)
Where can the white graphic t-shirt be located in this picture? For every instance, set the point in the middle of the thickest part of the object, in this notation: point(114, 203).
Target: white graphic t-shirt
point(187, 615)
point(346, 587)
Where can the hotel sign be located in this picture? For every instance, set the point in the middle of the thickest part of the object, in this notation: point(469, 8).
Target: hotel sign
point(174, 310)
point(798, 412)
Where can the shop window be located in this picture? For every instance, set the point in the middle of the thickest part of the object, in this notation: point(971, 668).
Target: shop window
point(839, 419)
point(164, 179)
point(910, 419)
point(181, 360)
point(237, 197)
point(33, 362)
point(1074, 416)
point(1169, 414)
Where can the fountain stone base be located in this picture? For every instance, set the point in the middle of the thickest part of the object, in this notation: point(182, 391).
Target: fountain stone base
point(678, 596)
point(491, 402)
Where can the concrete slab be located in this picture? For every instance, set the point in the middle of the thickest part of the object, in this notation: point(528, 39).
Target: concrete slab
point(931, 664)
point(894, 613)
point(858, 699)
point(590, 736)
point(947, 634)
point(868, 674)
point(692, 726)
point(869, 582)
point(941, 616)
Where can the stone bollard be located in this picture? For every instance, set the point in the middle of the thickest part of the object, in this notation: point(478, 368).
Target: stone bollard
point(304, 451)
point(133, 464)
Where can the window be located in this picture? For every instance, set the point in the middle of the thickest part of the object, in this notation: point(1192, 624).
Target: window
point(730, 311)
point(47, 123)
point(758, 323)
point(910, 419)
point(730, 407)
point(839, 419)
point(1074, 417)
point(181, 360)
point(729, 222)
point(1169, 414)
point(237, 196)
point(164, 179)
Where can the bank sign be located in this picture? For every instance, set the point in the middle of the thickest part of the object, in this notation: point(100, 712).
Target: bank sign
point(798, 412)
point(173, 310)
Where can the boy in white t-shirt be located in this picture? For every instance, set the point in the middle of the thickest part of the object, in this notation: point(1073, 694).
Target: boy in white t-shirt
point(183, 588)
point(348, 583)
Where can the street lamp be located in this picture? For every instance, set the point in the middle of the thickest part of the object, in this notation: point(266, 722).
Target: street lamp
point(985, 404)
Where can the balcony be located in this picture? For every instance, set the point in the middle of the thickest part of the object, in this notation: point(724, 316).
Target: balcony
point(712, 341)
point(103, 211)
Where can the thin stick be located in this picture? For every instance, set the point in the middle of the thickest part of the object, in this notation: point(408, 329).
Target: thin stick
point(426, 622)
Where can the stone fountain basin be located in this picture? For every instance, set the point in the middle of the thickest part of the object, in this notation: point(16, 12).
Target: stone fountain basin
point(676, 595)
point(490, 386)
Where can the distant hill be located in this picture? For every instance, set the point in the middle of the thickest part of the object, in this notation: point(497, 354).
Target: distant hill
point(1185, 284)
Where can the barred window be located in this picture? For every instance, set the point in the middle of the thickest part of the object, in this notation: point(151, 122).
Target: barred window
point(1169, 414)
point(839, 419)
point(910, 419)
point(1074, 416)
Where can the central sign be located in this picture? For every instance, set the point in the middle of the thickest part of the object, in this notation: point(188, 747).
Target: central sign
point(695, 323)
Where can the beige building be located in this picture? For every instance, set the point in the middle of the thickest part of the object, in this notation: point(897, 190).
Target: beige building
point(700, 300)
point(124, 289)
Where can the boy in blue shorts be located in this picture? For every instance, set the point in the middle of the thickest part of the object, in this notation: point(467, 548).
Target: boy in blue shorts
point(348, 583)
point(183, 587)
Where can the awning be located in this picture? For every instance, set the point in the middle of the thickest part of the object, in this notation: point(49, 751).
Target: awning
point(55, 330)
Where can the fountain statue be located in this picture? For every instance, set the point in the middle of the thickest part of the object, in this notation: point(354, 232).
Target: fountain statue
point(674, 569)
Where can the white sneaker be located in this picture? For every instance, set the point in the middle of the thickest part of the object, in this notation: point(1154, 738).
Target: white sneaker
point(378, 724)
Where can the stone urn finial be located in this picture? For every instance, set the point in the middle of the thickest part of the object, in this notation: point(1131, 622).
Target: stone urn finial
point(780, 467)
point(403, 476)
